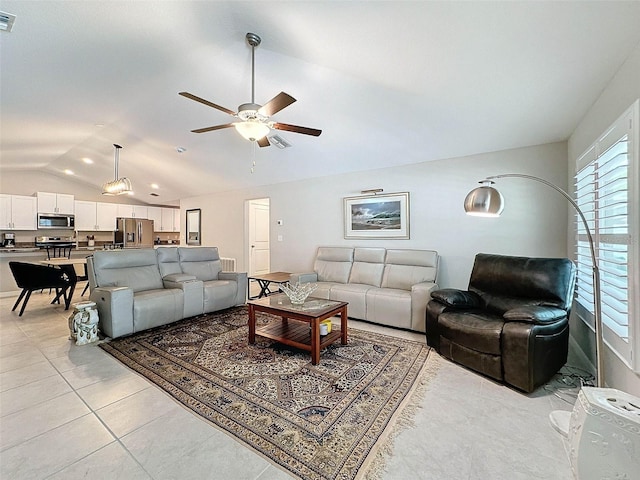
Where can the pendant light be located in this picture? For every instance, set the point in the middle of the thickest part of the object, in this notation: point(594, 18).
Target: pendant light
point(119, 186)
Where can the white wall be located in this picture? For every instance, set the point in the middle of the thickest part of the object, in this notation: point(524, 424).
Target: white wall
point(621, 92)
point(534, 222)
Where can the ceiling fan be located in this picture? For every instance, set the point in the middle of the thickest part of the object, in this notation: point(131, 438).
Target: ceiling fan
point(255, 124)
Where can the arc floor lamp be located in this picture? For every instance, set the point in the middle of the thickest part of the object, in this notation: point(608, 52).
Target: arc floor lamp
point(486, 201)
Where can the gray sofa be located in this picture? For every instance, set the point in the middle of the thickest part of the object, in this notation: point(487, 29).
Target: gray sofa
point(138, 289)
point(386, 286)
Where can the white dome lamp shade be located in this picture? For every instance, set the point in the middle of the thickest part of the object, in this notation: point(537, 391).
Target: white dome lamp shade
point(252, 130)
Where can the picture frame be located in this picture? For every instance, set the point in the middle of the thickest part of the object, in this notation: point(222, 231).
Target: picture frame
point(193, 227)
point(377, 216)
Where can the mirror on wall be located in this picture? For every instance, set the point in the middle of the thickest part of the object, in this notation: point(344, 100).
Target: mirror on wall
point(193, 227)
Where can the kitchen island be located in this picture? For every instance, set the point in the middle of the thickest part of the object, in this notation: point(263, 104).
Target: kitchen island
point(8, 287)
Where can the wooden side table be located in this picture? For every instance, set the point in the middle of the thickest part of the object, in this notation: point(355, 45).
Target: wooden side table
point(266, 280)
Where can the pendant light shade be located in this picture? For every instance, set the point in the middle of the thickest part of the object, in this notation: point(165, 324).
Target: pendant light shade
point(119, 186)
point(484, 201)
point(252, 130)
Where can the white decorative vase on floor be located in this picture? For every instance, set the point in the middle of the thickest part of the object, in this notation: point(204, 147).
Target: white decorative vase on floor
point(604, 435)
point(83, 323)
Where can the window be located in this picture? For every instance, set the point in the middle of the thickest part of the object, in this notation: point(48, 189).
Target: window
point(607, 192)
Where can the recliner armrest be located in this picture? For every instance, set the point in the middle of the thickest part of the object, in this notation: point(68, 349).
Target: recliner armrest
point(536, 314)
point(307, 277)
point(455, 298)
point(178, 278)
point(115, 309)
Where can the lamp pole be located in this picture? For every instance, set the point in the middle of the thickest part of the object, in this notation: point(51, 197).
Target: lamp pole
point(596, 272)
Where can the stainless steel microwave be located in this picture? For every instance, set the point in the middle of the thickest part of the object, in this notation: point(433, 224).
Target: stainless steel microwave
point(56, 220)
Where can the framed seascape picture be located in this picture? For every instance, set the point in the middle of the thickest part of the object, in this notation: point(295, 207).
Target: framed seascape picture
point(377, 216)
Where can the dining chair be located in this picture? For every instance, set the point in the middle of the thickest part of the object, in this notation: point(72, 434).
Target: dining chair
point(30, 277)
point(59, 251)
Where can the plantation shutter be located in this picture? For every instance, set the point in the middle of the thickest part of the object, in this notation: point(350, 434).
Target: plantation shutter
point(605, 191)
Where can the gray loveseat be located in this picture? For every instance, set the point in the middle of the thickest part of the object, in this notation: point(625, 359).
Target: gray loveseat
point(138, 289)
point(386, 286)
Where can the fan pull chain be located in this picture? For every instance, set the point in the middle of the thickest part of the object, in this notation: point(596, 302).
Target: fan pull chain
point(253, 156)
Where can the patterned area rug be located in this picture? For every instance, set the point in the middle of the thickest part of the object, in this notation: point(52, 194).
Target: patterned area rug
point(325, 421)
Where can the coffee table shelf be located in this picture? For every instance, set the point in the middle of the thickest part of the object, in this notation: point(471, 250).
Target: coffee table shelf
point(296, 334)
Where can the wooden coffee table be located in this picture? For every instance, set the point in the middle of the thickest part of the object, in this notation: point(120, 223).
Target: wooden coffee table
point(293, 328)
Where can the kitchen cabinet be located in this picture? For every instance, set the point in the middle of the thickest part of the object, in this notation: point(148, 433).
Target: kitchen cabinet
point(164, 219)
point(167, 219)
point(155, 214)
point(95, 216)
point(176, 220)
point(18, 212)
point(85, 216)
point(132, 211)
point(55, 203)
point(106, 214)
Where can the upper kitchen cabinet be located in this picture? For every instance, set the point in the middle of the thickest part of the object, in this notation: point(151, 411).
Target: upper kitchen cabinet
point(167, 219)
point(95, 217)
point(155, 214)
point(55, 203)
point(18, 212)
point(176, 220)
point(132, 211)
point(164, 219)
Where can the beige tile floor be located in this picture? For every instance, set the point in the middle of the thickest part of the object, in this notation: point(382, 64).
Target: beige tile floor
point(72, 412)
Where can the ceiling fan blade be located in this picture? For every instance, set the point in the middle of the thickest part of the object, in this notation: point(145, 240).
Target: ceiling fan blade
point(276, 104)
point(264, 142)
point(210, 129)
point(207, 102)
point(297, 129)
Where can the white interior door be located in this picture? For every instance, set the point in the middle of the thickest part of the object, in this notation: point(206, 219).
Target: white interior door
point(259, 254)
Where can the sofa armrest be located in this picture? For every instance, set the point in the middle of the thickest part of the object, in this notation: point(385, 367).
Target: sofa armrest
point(454, 298)
point(307, 277)
point(420, 296)
point(241, 279)
point(115, 308)
point(177, 278)
point(536, 314)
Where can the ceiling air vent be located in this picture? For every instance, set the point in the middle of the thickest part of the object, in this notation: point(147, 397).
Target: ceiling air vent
point(278, 141)
point(6, 21)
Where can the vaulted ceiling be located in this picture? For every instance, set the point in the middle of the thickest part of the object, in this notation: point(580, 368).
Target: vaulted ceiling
point(389, 83)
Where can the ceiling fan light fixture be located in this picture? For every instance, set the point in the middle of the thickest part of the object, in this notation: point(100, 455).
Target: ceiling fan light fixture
point(119, 186)
point(252, 130)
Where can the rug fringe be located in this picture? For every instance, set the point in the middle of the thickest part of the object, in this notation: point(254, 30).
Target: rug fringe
point(374, 468)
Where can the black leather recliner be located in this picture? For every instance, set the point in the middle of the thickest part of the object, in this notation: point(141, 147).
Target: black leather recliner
point(511, 324)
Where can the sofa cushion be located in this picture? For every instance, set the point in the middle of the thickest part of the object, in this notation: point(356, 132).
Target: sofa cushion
point(355, 295)
point(135, 268)
point(203, 262)
point(368, 266)
point(168, 261)
point(219, 294)
point(477, 331)
point(389, 306)
point(499, 278)
point(153, 308)
point(333, 264)
point(404, 268)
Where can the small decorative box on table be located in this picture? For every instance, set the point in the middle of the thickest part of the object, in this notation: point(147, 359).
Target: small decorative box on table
point(293, 328)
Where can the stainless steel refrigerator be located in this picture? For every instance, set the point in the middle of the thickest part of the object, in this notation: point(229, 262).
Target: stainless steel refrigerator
point(134, 233)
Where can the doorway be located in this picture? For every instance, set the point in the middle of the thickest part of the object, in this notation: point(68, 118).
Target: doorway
point(258, 248)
